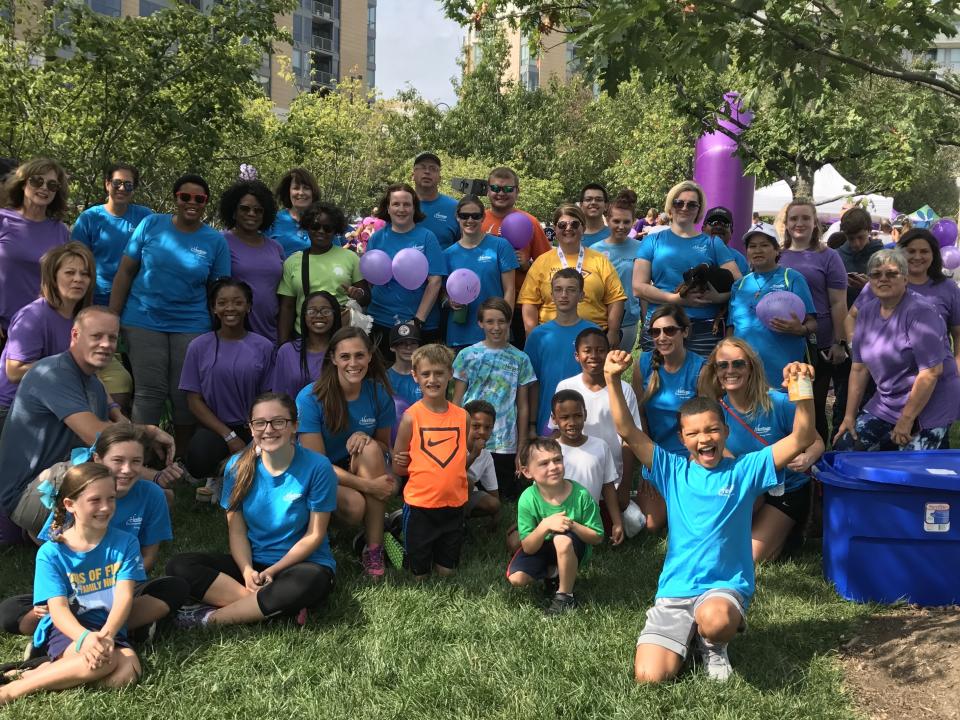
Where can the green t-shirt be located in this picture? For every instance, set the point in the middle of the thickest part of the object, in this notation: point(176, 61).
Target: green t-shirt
point(327, 272)
point(579, 506)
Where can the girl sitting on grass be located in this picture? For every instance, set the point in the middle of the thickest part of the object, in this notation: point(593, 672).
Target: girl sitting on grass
point(86, 576)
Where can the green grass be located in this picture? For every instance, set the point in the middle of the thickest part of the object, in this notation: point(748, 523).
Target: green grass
point(471, 647)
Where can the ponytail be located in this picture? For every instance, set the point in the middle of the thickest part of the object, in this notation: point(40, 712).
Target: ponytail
point(653, 384)
point(679, 316)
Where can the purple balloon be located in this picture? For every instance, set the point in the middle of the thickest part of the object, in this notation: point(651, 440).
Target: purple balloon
point(780, 304)
point(410, 268)
point(463, 286)
point(517, 229)
point(376, 268)
point(945, 231)
point(951, 257)
point(401, 406)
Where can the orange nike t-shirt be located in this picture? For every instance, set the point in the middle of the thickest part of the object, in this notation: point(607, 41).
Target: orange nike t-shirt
point(437, 474)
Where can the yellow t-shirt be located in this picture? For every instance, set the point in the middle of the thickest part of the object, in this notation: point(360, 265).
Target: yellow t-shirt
point(601, 285)
point(327, 271)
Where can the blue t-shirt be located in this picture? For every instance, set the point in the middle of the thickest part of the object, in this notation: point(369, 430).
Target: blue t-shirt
point(622, 256)
point(492, 257)
point(710, 513)
point(591, 239)
point(775, 349)
point(142, 512)
point(404, 386)
point(107, 236)
point(771, 426)
point(670, 256)
point(86, 579)
point(169, 293)
point(441, 219)
point(286, 231)
point(277, 508)
point(550, 348)
point(675, 389)
point(371, 411)
point(392, 303)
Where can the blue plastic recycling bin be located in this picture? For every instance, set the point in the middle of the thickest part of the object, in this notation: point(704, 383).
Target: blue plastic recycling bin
point(891, 525)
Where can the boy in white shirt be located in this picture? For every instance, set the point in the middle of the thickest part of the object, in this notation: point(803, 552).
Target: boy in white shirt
point(481, 474)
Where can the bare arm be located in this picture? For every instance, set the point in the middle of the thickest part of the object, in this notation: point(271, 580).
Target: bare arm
point(641, 445)
point(285, 318)
point(955, 337)
point(122, 281)
point(149, 553)
point(16, 369)
point(614, 319)
point(508, 280)
point(240, 549)
point(920, 393)
point(523, 413)
point(430, 294)
point(850, 323)
point(459, 390)
point(401, 446)
point(305, 546)
point(204, 415)
point(644, 288)
point(533, 405)
point(314, 441)
point(531, 316)
point(122, 604)
point(804, 423)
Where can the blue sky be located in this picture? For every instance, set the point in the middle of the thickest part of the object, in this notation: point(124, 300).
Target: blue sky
point(417, 45)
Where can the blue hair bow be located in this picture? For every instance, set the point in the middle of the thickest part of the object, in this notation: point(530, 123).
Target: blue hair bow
point(82, 455)
point(48, 494)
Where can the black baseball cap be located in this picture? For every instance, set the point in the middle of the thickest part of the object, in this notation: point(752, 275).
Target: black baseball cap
point(426, 156)
point(403, 332)
point(718, 213)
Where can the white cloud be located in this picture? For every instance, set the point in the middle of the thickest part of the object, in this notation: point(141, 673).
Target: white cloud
point(417, 45)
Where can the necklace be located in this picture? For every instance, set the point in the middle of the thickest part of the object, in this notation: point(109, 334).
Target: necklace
point(563, 259)
point(761, 288)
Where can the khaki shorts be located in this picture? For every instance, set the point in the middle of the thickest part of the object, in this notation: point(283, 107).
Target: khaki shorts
point(671, 622)
point(30, 513)
point(115, 378)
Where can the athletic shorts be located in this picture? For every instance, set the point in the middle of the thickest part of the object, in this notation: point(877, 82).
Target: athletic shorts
point(57, 642)
point(540, 564)
point(671, 622)
point(794, 504)
point(432, 536)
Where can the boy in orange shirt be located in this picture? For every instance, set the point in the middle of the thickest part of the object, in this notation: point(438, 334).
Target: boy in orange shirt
point(431, 450)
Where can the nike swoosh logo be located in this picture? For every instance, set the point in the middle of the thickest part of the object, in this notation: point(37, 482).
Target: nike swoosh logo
point(432, 443)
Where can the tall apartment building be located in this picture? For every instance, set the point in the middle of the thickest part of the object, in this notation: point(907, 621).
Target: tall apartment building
point(333, 40)
point(532, 70)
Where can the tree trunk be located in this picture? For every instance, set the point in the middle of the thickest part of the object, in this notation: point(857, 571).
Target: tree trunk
point(802, 184)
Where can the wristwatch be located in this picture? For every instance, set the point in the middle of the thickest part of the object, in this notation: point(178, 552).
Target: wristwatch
point(230, 436)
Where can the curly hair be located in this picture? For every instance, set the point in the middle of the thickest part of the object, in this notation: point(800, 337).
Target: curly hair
point(231, 199)
point(14, 193)
point(337, 218)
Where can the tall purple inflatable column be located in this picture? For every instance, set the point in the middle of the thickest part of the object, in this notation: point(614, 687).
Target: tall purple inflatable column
point(719, 171)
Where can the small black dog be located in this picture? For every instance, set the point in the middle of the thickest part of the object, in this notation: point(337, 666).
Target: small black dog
point(696, 280)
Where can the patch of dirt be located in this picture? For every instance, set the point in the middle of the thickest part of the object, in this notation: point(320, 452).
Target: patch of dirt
point(906, 665)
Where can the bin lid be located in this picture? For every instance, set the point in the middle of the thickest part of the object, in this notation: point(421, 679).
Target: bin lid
point(932, 469)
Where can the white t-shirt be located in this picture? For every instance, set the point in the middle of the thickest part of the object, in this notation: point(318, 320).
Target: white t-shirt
point(483, 472)
point(599, 419)
point(590, 465)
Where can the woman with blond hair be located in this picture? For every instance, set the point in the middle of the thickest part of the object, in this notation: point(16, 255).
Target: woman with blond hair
point(665, 256)
point(757, 416)
point(30, 225)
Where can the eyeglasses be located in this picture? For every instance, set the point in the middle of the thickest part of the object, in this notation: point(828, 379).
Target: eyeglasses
point(250, 209)
point(323, 227)
point(275, 423)
point(589, 200)
point(888, 274)
point(319, 312)
point(571, 224)
point(502, 188)
point(688, 204)
point(185, 197)
point(470, 215)
point(669, 331)
point(38, 182)
point(735, 364)
point(126, 185)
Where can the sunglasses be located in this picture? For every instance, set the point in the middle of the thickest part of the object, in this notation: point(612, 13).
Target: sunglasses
point(888, 274)
point(688, 204)
point(502, 188)
point(571, 224)
point(124, 184)
point(718, 223)
point(735, 364)
point(323, 227)
point(669, 331)
point(38, 182)
point(470, 215)
point(250, 209)
point(185, 197)
point(276, 424)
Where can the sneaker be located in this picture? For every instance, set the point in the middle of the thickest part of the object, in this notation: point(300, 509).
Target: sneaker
point(393, 523)
point(560, 604)
point(31, 651)
point(394, 550)
point(194, 616)
point(359, 544)
point(714, 658)
point(373, 561)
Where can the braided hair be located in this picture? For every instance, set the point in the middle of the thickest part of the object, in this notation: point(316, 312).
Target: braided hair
point(679, 316)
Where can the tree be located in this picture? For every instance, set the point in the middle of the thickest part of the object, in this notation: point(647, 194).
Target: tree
point(157, 91)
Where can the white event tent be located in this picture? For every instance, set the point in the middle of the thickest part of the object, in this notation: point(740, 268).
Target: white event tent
point(827, 184)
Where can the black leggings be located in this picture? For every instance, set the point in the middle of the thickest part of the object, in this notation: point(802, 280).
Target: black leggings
point(172, 591)
point(207, 450)
point(305, 585)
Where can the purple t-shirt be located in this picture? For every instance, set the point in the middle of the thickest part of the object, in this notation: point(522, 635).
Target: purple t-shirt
point(895, 349)
point(944, 296)
point(288, 377)
point(823, 271)
point(261, 269)
point(36, 331)
point(22, 243)
point(230, 376)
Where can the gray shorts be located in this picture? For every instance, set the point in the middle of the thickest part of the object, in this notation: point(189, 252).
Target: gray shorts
point(671, 622)
point(473, 499)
